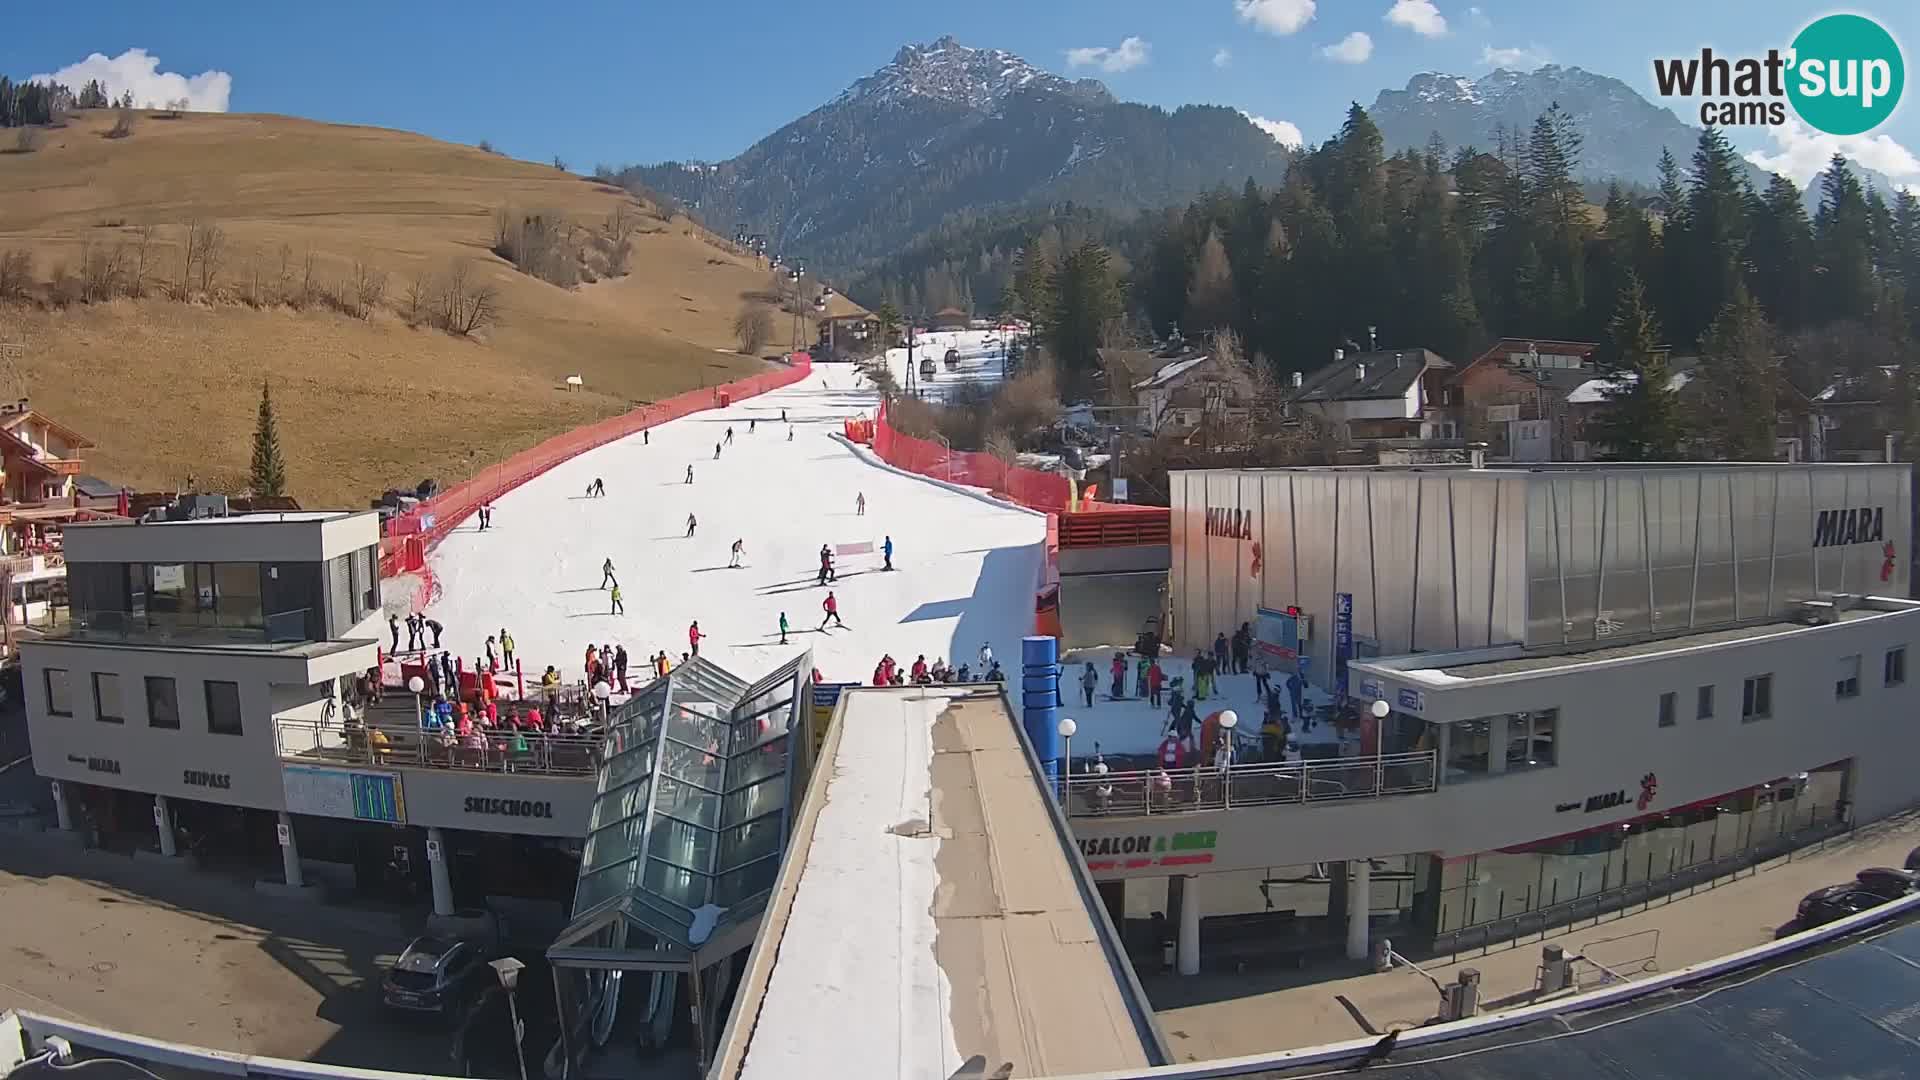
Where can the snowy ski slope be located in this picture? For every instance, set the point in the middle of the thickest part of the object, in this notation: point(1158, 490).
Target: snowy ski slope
point(966, 567)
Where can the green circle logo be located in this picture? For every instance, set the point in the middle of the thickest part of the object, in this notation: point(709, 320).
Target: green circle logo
point(1847, 74)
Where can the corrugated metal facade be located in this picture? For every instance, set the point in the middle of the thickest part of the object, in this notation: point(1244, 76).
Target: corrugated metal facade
point(1440, 559)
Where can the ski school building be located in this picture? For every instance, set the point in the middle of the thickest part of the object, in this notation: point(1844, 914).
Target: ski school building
point(1558, 688)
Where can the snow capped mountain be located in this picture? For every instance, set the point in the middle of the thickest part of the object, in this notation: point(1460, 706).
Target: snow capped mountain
point(1624, 131)
point(949, 72)
point(946, 129)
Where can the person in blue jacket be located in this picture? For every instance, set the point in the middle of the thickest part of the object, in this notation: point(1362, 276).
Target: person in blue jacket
point(886, 549)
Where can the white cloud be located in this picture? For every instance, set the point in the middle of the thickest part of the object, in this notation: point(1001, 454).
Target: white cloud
point(1515, 59)
point(1223, 57)
point(1803, 152)
point(1478, 17)
point(1284, 133)
point(1281, 17)
point(1419, 16)
point(1129, 54)
point(139, 71)
point(1355, 48)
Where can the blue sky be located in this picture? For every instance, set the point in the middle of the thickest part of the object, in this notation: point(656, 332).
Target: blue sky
point(644, 81)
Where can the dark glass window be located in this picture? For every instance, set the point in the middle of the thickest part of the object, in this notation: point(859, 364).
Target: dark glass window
point(223, 708)
point(163, 703)
point(106, 698)
point(59, 693)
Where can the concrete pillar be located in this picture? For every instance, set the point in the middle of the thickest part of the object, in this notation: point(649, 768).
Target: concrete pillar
point(1187, 958)
point(163, 824)
point(62, 806)
point(437, 866)
point(290, 852)
point(1359, 905)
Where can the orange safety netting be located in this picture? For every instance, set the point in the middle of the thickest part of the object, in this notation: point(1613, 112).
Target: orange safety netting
point(408, 538)
point(1031, 488)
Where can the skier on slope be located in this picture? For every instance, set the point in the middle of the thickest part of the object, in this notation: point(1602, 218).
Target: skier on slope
point(860, 505)
point(739, 549)
point(606, 574)
point(694, 635)
point(886, 550)
point(689, 474)
point(789, 434)
point(716, 451)
point(826, 565)
point(783, 628)
point(729, 434)
point(832, 607)
point(752, 424)
point(692, 522)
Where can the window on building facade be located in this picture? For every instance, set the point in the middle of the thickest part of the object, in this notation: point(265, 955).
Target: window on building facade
point(1530, 739)
point(106, 698)
point(237, 593)
point(1669, 709)
point(223, 708)
point(1467, 746)
point(1756, 699)
point(163, 703)
point(59, 693)
point(1846, 681)
point(1703, 704)
point(1894, 671)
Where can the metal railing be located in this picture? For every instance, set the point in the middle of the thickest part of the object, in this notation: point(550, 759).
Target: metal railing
point(492, 750)
point(1156, 791)
point(192, 628)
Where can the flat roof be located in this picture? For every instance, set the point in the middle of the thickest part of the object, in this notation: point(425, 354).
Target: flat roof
point(1520, 665)
point(1846, 1008)
point(931, 910)
point(265, 517)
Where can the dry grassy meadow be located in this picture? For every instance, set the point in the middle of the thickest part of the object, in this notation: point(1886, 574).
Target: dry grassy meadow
point(169, 389)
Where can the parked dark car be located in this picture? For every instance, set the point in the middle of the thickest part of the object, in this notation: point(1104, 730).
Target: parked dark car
point(435, 975)
point(1887, 882)
point(1913, 859)
point(1830, 904)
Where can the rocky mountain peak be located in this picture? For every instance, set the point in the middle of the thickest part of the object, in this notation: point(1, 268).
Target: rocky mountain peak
point(977, 79)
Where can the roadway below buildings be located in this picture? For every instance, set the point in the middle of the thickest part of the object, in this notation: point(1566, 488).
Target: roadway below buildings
point(1222, 1013)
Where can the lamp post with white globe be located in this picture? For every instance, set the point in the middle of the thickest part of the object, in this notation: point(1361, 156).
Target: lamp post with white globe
point(1067, 728)
point(1379, 709)
point(1228, 721)
point(419, 687)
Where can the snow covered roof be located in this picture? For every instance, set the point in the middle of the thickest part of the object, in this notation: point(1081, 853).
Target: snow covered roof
point(1594, 391)
point(1171, 371)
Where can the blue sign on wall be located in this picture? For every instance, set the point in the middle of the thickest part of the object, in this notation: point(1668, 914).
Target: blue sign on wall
point(1412, 701)
point(377, 798)
point(1342, 640)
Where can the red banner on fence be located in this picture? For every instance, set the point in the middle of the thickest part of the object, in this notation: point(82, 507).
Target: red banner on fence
point(409, 537)
point(1031, 488)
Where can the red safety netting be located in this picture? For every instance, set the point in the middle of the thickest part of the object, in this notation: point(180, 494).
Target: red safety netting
point(408, 538)
point(1031, 488)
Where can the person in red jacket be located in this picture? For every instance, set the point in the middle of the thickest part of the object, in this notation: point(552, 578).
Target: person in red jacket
point(832, 607)
point(1154, 678)
point(1119, 670)
point(694, 635)
point(920, 669)
point(880, 673)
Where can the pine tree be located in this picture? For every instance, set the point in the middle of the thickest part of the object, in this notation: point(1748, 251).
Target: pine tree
point(1713, 252)
point(1780, 269)
point(1843, 246)
point(269, 473)
point(1739, 380)
point(1212, 303)
point(1641, 418)
point(1084, 297)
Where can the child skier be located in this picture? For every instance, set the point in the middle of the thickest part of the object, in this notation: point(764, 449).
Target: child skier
point(886, 549)
point(783, 628)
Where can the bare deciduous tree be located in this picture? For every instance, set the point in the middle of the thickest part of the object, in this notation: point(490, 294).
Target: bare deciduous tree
point(101, 271)
point(419, 299)
point(144, 258)
point(308, 285)
point(753, 328)
point(283, 280)
point(16, 274)
point(213, 253)
point(122, 123)
point(467, 304)
point(27, 140)
point(369, 288)
point(188, 256)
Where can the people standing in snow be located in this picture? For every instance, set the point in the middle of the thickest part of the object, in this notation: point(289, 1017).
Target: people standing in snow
point(1089, 679)
point(692, 523)
point(393, 624)
point(1154, 678)
point(826, 565)
point(597, 489)
point(606, 574)
point(1242, 647)
point(739, 549)
point(414, 631)
point(620, 667)
point(729, 439)
point(789, 434)
point(986, 655)
point(434, 625)
point(689, 474)
point(618, 608)
point(1262, 675)
point(716, 451)
point(493, 657)
point(832, 607)
point(751, 425)
point(1119, 671)
point(506, 647)
point(693, 637)
point(860, 505)
point(486, 516)
point(886, 552)
point(783, 628)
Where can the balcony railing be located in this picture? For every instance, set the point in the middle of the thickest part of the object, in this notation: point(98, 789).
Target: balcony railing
point(203, 628)
point(494, 750)
point(1156, 791)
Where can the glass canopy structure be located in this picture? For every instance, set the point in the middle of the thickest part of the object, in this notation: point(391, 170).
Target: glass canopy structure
point(691, 817)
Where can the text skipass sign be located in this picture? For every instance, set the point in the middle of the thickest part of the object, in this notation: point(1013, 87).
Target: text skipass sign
point(1342, 640)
